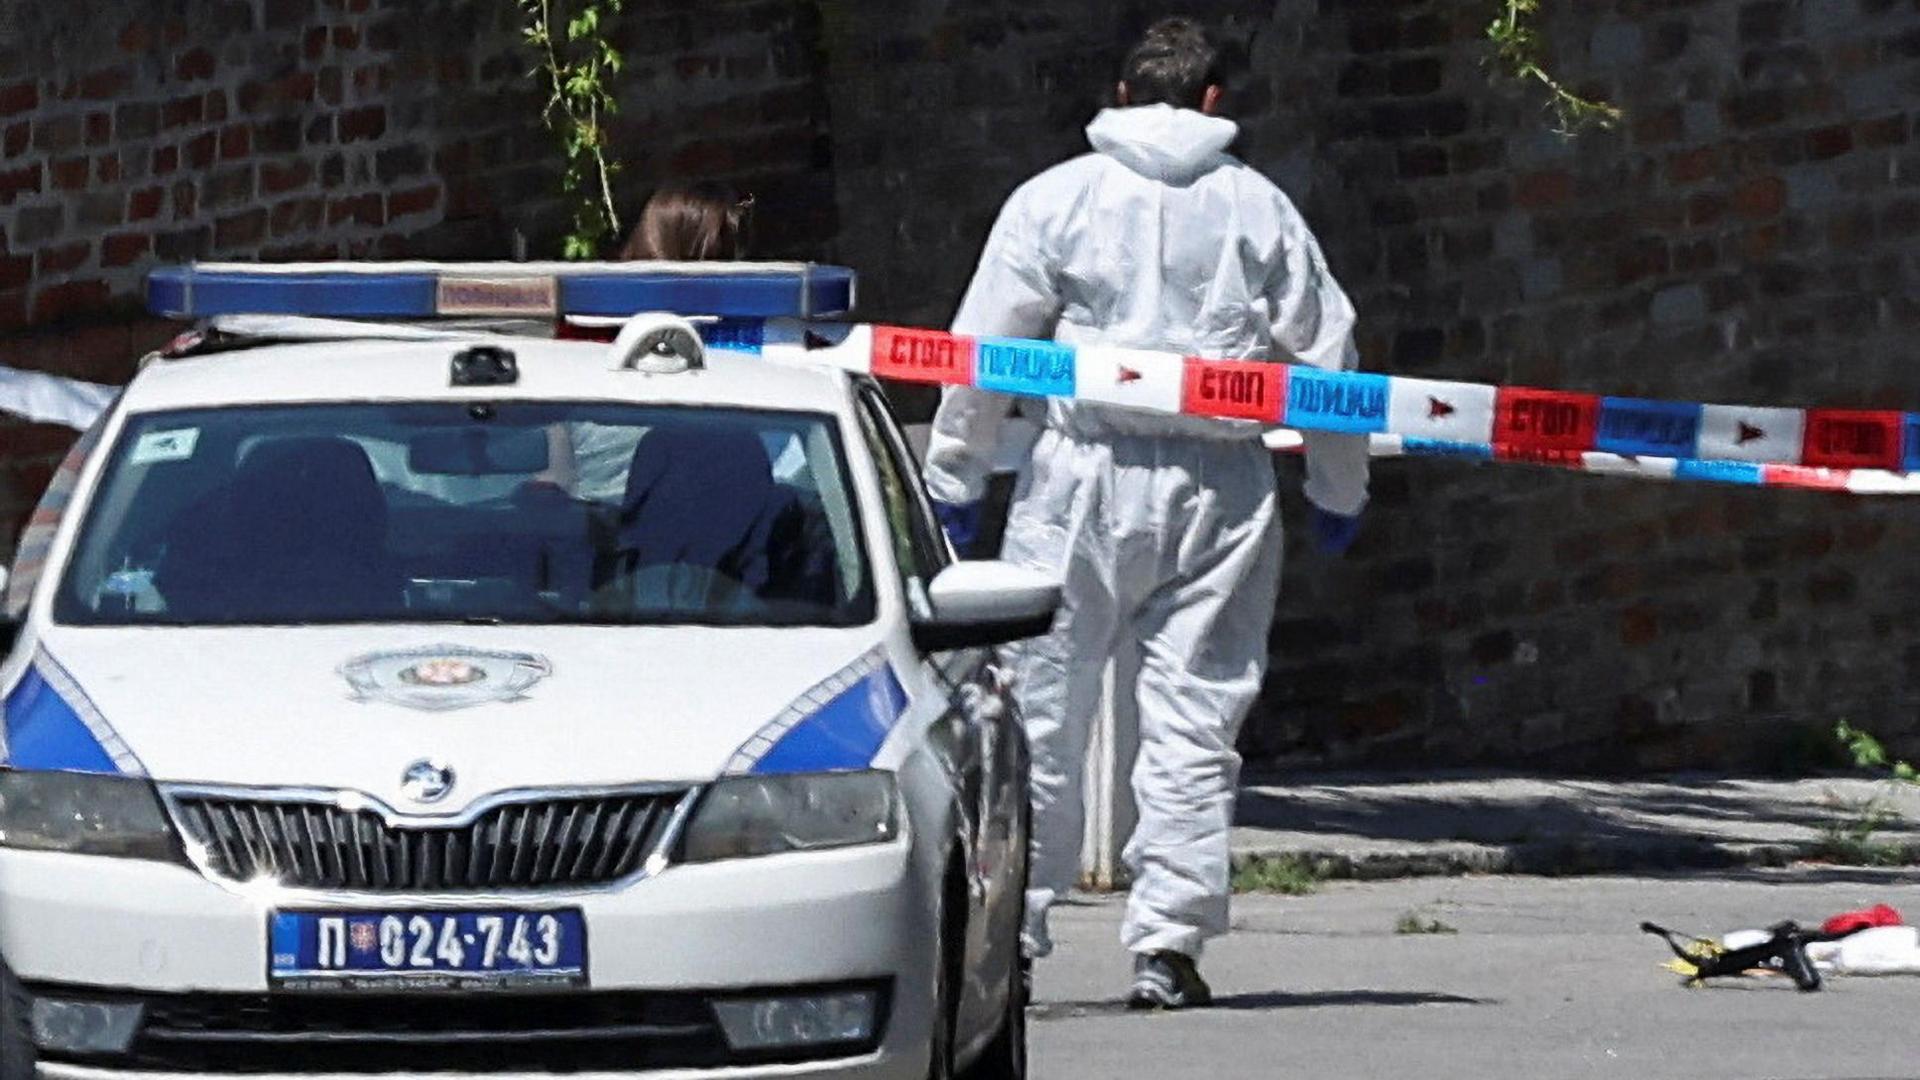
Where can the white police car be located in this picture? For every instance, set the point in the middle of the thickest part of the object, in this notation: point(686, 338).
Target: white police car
point(488, 705)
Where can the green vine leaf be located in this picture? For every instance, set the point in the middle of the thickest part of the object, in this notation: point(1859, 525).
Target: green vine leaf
point(575, 74)
point(1518, 49)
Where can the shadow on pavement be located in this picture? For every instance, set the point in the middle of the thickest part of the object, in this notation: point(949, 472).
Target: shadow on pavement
point(1548, 825)
point(1323, 998)
point(1273, 999)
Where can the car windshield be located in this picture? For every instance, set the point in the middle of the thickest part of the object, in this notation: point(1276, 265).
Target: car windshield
point(471, 512)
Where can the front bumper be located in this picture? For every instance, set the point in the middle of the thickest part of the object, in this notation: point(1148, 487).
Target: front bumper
point(660, 949)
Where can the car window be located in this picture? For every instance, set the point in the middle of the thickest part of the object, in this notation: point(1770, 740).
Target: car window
point(918, 547)
point(432, 512)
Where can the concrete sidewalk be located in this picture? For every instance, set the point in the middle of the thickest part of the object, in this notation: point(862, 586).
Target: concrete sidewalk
point(1385, 826)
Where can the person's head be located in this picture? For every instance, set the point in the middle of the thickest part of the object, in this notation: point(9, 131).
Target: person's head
point(691, 223)
point(1174, 64)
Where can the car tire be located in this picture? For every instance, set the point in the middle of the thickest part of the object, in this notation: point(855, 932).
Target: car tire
point(17, 1056)
point(949, 951)
point(1006, 1057)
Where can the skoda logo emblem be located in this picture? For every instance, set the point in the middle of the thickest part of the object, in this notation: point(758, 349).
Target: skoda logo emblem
point(426, 782)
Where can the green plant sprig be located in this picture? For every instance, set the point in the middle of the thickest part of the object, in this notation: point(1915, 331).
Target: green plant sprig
point(577, 63)
point(1518, 48)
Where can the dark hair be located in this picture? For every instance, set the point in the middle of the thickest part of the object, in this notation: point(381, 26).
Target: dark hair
point(691, 223)
point(1174, 64)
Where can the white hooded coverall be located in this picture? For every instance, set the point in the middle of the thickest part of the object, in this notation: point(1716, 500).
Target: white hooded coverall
point(1163, 529)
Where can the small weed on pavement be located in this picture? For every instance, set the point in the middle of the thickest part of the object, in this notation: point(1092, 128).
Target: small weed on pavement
point(1412, 922)
point(1289, 875)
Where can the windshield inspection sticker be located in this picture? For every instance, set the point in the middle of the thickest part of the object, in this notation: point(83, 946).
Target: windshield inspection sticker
point(174, 445)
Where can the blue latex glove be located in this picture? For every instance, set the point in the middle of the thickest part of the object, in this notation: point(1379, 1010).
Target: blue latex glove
point(1333, 533)
point(962, 523)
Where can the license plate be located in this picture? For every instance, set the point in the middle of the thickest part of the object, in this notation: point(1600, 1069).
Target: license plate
point(425, 950)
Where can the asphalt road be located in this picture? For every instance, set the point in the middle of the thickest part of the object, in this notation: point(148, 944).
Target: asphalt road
point(1545, 978)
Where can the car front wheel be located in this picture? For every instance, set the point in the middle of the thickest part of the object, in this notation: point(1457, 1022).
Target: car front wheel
point(1006, 1057)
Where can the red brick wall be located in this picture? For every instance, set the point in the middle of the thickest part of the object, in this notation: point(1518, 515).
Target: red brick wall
point(1748, 236)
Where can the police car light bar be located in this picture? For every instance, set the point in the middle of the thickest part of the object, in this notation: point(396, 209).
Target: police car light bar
point(427, 290)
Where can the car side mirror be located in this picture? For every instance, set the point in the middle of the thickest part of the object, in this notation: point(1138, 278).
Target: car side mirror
point(982, 603)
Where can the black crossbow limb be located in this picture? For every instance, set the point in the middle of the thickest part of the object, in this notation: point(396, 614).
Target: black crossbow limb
point(1785, 948)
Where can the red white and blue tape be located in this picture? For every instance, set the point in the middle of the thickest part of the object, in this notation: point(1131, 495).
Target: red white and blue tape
point(1868, 452)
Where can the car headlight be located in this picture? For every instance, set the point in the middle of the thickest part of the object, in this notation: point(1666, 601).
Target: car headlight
point(84, 814)
point(766, 815)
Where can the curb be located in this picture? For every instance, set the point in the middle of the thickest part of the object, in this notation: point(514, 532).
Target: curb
point(1545, 858)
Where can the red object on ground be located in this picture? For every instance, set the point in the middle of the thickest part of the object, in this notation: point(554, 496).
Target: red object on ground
point(1850, 921)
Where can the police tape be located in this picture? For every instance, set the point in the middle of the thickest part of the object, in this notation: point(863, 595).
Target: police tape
point(1865, 452)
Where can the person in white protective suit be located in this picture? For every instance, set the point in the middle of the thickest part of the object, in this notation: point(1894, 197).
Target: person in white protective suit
point(1163, 529)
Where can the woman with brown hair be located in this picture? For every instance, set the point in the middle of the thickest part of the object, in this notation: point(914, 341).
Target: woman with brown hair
point(703, 221)
point(698, 222)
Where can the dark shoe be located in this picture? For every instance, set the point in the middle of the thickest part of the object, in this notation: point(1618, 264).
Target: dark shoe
point(1167, 980)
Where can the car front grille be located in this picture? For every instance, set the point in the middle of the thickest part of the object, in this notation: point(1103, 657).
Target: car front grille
point(537, 844)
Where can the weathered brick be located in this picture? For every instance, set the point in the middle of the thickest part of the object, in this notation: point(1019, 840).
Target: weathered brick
point(125, 249)
point(183, 245)
point(1422, 160)
point(25, 180)
point(186, 200)
point(280, 136)
point(102, 209)
point(136, 119)
point(236, 142)
point(70, 174)
point(279, 177)
point(228, 187)
point(1829, 142)
point(144, 205)
point(297, 216)
point(199, 151)
point(69, 299)
point(195, 64)
point(1692, 166)
point(286, 14)
point(182, 111)
point(105, 84)
point(240, 230)
point(399, 162)
point(1886, 131)
point(367, 209)
point(99, 128)
point(1761, 197)
point(15, 272)
point(1543, 189)
point(34, 225)
point(369, 122)
point(61, 259)
point(413, 201)
point(19, 97)
point(58, 134)
point(17, 138)
point(330, 86)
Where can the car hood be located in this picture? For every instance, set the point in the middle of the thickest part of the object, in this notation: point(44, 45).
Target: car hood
point(504, 708)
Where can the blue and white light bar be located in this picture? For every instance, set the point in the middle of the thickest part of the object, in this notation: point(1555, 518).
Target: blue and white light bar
point(427, 290)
